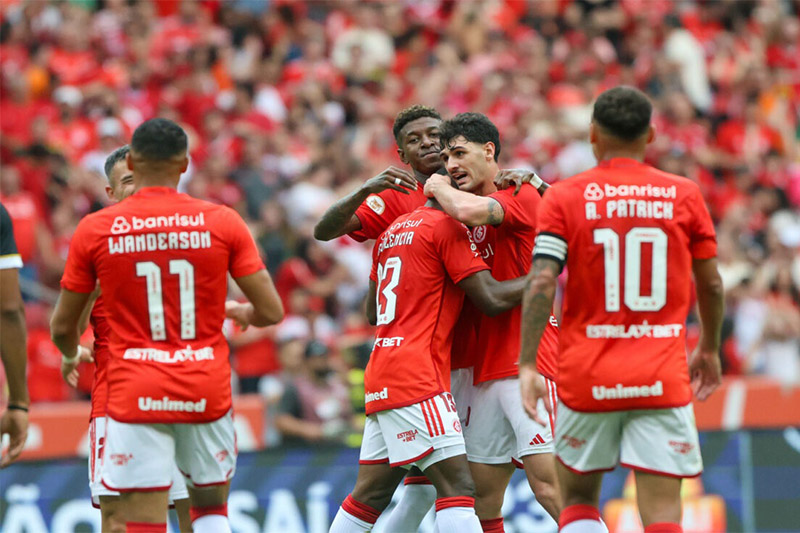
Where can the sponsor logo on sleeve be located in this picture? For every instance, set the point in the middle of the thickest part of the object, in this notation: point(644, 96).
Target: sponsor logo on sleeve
point(376, 203)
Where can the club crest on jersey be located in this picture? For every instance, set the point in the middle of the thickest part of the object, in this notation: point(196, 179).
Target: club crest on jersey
point(593, 192)
point(376, 203)
point(120, 225)
point(479, 233)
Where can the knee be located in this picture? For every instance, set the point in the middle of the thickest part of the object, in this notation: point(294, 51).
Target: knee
point(545, 490)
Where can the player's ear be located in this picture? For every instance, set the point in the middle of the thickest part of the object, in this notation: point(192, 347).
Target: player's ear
point(109, 192)
point(592, 133)
point(184, 164)
point(651, 134)
point(129, 160)
point(488, 151)
point(402, 154)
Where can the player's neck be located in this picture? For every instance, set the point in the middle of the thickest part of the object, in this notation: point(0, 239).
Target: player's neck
point(420, 176)
point(620, 152)
point(487, 185)
point(155, 180)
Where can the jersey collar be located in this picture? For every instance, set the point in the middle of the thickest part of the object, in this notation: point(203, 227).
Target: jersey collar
point(155, 191)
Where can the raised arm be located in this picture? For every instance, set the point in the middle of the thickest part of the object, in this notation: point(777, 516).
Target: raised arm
point(704, 364)
point(264, 307)
point(465, 207)
point(493, 297)
point(340, 218)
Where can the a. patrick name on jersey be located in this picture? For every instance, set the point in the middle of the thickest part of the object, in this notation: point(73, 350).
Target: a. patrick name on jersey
point(147, 241)
point(630, 207)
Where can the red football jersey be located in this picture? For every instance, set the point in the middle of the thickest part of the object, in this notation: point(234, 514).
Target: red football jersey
point(417, 263)
point(161, 257)
point(380, 210)
point(102, 335)
point(631, 231)
point(507, 249)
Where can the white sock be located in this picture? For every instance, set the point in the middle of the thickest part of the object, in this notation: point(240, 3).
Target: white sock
point(409, 512)
point(344, 522)
point(211, 523)
point(583, 526)
point(458, 520)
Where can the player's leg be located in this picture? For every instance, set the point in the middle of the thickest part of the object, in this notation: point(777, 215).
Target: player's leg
point(455, 502)
point(206, 455)
point(111, 514)
point(375, 484)
point(533, 444)
point(662, 446)
point(586, 445)
point(491, 481)
point(418, 497)
point(179, 498)
point(136, 463)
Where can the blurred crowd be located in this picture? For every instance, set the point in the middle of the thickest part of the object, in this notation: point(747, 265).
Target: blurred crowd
point(289, 105)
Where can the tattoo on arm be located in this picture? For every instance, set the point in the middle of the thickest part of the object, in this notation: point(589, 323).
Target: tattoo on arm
point(536, 305)
point(496, 212)
point(338, 219)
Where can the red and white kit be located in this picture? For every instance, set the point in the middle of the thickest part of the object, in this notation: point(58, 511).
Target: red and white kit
point(496, 427)
point(629, 228)
point(160, 256)
point(417, 263)
point(97, 422)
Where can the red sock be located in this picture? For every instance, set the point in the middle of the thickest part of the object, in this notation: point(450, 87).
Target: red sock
point(493, 525)
point(360, 510)
point(573, 513)
point(455, 501)
point(416, 480)
point(197, 512)
point(664, 527)
point(145, 527)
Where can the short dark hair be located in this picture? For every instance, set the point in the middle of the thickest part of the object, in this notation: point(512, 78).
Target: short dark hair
point(623, 112)
point(115, 157)
point(159, 139)
point(474, 127)
point(410, 114)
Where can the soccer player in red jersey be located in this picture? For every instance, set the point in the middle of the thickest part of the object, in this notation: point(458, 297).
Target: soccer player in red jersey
point(161, 257)
point(120, 186)
point(630, 235)
point(423, 265)
point(496, 428)
point(368, 212)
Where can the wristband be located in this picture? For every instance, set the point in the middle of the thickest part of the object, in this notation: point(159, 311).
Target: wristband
point(70, 360)
point(15, 407)
point(536, 181)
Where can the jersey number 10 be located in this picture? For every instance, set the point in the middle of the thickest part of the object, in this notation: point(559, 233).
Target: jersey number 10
point(155, 301)
point(633, 268)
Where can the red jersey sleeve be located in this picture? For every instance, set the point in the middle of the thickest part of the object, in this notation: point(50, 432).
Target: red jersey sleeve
point(457, 250)
point(703, 237)
point(244, 259)
point(79, 273)
point(375, 214)
point(519, 210)
point(551, 241)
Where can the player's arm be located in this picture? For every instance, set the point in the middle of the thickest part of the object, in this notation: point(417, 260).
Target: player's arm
point(264, 307)
point(13, 343)
point(340, 218)
point(66, 336)
point(518, 177)
point(372, 303)
point(465, 207)
point(492, 297)
point(704, 364)
point(87, 311)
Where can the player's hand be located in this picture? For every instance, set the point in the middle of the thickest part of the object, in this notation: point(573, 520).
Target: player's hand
point(14, 423)
point(705, 371)
point(532, 387)
point(239, 312)
point(391, 178)
point(434, 182)
point(518, 177)
point(69, 367)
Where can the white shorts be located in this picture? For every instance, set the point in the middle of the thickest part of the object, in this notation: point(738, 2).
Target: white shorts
point(141, 457)
point(97, 437)
point(462, 389)
point(658, 441)
point(499, 430)
point(419, 435)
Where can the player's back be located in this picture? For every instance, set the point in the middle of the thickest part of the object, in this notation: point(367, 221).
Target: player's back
point(632, 232)
point(162, 260)
point(418, 261)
